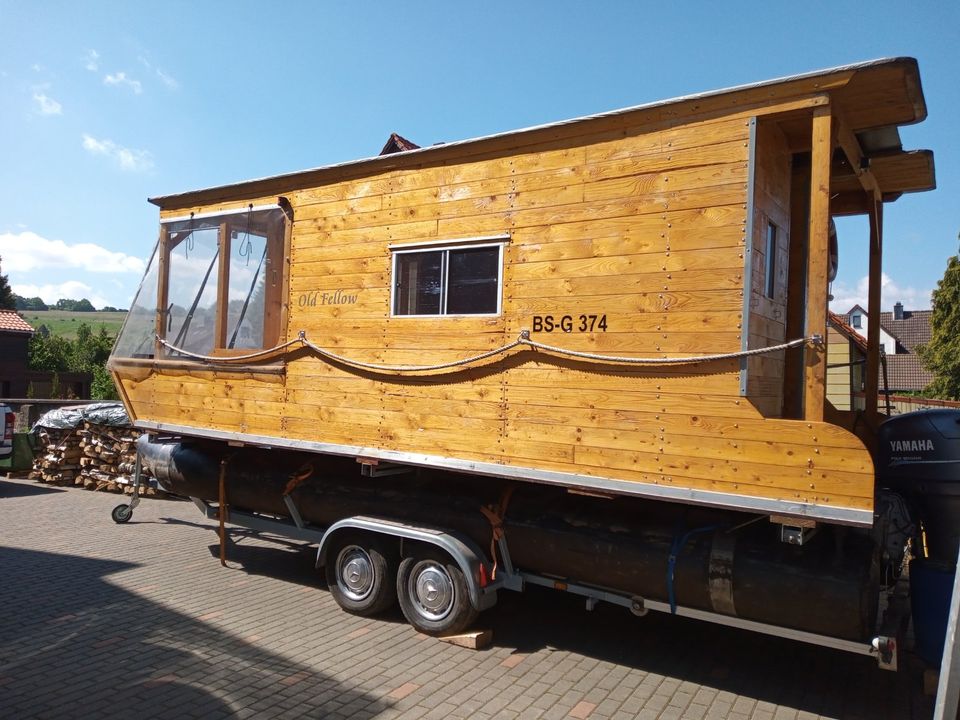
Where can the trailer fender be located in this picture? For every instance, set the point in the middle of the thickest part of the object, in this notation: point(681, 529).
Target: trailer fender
point(464, 551)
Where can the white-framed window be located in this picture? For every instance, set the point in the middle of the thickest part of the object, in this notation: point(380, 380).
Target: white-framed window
point(855, 321)
point(456, 277)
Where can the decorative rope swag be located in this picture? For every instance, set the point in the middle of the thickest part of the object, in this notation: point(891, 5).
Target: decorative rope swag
point(523, 340)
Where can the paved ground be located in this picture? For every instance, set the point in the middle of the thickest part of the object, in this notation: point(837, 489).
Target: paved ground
point(140, 621)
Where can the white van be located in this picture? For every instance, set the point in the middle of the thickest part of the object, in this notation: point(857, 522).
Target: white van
point(7, 421)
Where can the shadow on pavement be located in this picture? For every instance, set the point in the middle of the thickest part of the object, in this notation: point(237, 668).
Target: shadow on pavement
point(772, 669)
point(74, 645)
point(13, 489)
point(775, 670)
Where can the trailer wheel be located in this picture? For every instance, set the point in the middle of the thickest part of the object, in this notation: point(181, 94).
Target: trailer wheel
point(361, 575)
point(121, 513)
point(433, 594)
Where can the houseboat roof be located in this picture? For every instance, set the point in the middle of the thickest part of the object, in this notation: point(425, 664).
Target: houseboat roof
point(873, 98)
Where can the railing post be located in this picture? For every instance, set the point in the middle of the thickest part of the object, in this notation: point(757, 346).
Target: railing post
point(821, 155)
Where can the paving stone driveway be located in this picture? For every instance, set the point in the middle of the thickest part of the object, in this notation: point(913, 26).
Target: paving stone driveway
point(140, 621)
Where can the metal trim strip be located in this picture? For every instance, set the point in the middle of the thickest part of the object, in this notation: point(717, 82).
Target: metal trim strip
point(235, 211)
point(748, 256)
point(450, 243)
point(710, 498)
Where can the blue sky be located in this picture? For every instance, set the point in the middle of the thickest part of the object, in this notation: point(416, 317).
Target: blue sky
point(103, 104)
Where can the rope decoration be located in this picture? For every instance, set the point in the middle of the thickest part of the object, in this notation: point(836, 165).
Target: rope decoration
point(522, 340)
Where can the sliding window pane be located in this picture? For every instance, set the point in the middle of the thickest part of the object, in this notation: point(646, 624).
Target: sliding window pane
point(418, 283)
point(192, 288)
point(472, 286)
point(247, 290)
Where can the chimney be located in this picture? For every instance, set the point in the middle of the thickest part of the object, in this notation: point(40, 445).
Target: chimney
point(898, 311)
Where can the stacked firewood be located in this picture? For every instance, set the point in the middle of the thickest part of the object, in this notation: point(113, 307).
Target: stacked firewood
point(96, 457)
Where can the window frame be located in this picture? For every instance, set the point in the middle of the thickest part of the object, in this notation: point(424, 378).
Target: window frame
point(276, 292)
point(445, 247)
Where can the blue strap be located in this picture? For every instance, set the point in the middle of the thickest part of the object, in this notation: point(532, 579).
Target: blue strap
point(679, 541)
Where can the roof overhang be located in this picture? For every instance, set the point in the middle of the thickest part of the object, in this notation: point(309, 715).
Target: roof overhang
point(873, 98)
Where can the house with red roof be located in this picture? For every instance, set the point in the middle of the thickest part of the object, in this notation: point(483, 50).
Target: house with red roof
point(18, 381)
point(846, 362)
point(15, 334)
point(901, 331)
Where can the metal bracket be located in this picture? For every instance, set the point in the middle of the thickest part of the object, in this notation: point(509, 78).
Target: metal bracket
point(795, 531)
point(794, 535)
point(373, 468)
point(886, 649)
point(294, 512)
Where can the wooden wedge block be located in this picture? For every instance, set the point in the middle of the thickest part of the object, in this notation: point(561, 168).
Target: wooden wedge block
point(474, 640)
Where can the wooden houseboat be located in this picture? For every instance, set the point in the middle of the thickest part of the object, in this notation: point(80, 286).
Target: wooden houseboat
point(294, 311)
point(627, 306)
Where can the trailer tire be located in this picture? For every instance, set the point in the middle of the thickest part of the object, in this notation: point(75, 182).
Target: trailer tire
point(433, 594)
point(361, 575)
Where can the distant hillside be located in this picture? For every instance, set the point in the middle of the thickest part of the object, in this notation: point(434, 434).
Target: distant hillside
point(65, 324)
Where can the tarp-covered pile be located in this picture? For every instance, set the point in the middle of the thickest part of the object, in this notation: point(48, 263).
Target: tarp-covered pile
point(93, 446)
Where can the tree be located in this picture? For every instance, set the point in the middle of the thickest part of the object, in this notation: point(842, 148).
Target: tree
point(941, 355)
point(102, 387)
point(82, 305)
point(7, 301)
point(50, 353)
point(34, 303)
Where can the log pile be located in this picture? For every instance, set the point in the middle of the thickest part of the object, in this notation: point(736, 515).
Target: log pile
point(95, 457)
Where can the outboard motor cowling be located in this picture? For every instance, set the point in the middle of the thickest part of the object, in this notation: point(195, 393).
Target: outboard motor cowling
point(919, 457)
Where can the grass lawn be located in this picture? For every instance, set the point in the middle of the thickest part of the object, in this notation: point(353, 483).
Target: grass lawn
point(65, 324)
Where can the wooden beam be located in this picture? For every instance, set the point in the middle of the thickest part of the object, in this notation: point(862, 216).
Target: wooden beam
point(817, 260)
point(872, 370)
point(163, 265)
point(223, 287)
point(851, 148)
point(851, 203)
point(796, 286)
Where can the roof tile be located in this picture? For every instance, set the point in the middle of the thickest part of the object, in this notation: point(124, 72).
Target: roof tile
point(10, 321)
point(913, 330)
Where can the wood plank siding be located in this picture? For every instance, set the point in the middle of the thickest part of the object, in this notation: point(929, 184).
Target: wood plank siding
point(641, 219)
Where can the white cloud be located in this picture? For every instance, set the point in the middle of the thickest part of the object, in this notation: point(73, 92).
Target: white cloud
point(165, 78)
point(128, 158)
point(36, 67)
point(46, 104)
point(168, 80)
point(121, 78)
point(845, 297)
point(72, 289)
point(93, 61)
point(29, 252)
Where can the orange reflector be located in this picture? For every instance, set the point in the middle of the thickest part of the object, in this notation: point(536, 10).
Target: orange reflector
point(560, 586)
point(483, 575)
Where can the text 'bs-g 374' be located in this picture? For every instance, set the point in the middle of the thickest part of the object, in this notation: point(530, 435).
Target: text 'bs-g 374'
point(569, 323)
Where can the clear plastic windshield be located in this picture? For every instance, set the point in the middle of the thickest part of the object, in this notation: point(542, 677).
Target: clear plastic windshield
point(137, 337)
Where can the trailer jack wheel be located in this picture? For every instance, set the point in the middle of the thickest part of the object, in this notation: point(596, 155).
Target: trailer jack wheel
point(121, 513)
point(361, 575)
point(433, 594)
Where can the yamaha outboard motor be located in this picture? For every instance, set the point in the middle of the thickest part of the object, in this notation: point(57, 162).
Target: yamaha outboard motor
point(919, 457)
